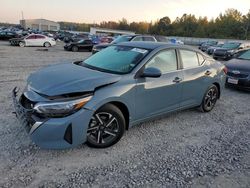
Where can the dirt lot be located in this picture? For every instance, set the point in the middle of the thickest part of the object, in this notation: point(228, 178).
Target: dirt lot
point(183, 149)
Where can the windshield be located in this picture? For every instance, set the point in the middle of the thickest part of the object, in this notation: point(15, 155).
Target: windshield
point(122, 39)
point(245, 55)
point(81, 41)
point(231, 45)
point(116, 59)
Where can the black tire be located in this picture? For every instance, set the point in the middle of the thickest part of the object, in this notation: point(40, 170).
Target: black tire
point(106, 127)
point(21, 44)
point(46, 44)
point(209, 99)
point(74, 49)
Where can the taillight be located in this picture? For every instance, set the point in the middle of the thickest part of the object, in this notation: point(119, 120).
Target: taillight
point(225, 70)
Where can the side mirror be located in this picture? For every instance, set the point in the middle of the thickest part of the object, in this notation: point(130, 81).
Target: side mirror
point(151, 72)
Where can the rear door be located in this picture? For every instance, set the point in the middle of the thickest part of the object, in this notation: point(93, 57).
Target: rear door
point(40, 40)
point(30, 40)
point(158, 95)
point(196, 77)
point(149, 39)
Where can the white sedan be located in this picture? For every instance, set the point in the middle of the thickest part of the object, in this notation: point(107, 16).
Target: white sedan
point(37, 40)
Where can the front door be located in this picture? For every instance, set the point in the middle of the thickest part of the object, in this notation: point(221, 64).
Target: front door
point(158, 95)
point(30, 40)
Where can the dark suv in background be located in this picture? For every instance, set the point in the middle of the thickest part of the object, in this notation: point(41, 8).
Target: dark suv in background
point(127, 38)
point(228, 50)
point(204, 46)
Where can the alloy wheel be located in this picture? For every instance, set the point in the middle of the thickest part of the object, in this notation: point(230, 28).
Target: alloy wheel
point(210, 98)
point(21, 44)
point(47, 44)
point(103, 128)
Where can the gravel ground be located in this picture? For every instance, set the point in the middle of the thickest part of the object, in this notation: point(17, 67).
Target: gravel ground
point(183, 149)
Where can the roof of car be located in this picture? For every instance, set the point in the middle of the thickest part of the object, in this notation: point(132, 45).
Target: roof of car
point(154, 45)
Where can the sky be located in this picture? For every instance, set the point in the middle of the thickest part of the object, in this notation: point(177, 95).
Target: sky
point(95, 11)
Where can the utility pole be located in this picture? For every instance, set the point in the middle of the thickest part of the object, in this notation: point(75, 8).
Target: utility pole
point(22, 16)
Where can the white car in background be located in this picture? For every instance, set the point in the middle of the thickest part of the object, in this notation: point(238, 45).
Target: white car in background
point(37, 40)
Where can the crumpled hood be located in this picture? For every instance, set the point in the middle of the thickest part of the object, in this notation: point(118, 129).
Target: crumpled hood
point(68, 78)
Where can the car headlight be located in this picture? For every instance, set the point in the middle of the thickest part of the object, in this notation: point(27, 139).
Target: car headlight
point(60, 109)
point(230, 51)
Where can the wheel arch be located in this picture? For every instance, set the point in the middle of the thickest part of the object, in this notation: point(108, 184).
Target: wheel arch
point(46, 42)
point(124, 109)
point(218, 87)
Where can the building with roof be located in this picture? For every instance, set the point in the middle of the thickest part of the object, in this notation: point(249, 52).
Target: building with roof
point(40, 24)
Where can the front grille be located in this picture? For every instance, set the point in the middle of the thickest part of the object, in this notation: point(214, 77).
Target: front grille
point(241, 75)
point(220, 52)
point(26, 103)
point(23, 110)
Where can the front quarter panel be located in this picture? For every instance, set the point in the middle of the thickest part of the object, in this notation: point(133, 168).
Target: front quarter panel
point(122, 91)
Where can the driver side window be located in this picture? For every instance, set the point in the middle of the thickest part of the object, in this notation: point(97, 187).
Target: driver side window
point(165, 61)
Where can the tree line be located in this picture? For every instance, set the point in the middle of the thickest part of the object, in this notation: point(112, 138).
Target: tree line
point(230, 24)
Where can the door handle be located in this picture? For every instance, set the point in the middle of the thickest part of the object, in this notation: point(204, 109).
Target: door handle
point(208, 72)
point(177, 80)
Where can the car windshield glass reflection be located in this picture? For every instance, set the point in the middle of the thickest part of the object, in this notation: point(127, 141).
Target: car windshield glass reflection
point(121, 39)
point(245, 55)
point(80, 41)
point(116, 59)
point(231, 45)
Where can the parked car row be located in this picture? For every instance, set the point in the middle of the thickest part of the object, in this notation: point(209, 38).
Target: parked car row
point(86, 44)
point(224, 51)
point(228, 50)
point(237, 55)
point(132, 38)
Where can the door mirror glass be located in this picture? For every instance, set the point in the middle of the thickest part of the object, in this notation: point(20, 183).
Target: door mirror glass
point(151, 72)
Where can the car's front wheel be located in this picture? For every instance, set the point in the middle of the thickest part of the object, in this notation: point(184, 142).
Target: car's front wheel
point(106, 127)
point(209, 99)
point(47, 44)
point(75, 49)
point(21, 44)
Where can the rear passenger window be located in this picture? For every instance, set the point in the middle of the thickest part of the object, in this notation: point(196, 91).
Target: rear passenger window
point(189, 59)
point(31, 37)
point(165, 61)
point(149, 39)
point(40, 37)
point(138, 39)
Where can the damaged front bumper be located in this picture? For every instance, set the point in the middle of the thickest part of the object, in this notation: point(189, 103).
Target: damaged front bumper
point(53, 133)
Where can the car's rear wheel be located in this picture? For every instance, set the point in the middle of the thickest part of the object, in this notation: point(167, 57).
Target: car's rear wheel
point(47, 44)
point(21, 44)
point(74, 49)
point(209, 99)
point(106, 127)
